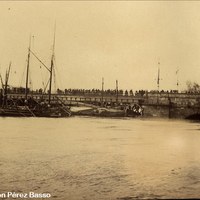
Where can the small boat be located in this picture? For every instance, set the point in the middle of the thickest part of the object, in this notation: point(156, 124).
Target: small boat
point(126, 111)
point(15, 112)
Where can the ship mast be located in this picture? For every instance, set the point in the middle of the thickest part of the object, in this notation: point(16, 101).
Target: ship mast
point(158, 79)
point(27, 69)
point(6, 85)
point(177, 83)
point(102, 89)
point(158, 82)
point(51, 69)
point(116, 91)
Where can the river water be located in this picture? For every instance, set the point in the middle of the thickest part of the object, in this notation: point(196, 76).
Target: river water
point(82, 158)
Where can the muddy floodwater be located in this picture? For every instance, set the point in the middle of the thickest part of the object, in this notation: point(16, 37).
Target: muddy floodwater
point(83, 158)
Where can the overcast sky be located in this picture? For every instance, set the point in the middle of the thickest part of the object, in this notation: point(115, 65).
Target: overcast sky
point(115, 40)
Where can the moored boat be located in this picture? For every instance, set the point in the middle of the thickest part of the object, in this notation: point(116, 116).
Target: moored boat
point(11, 107)
point(126, 111)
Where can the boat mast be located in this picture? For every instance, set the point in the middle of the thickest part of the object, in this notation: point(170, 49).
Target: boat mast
point(6, 85)
point(50, 79)
point(177, 83)
point(27, 69)
point(2, 82)
point(158, 81)
point(51, 69)
point(116, 91)
point(102, 89)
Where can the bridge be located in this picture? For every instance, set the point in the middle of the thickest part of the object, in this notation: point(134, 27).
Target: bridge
point(175, 105)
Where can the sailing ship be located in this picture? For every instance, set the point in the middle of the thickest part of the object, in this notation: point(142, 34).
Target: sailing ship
point(29, 107)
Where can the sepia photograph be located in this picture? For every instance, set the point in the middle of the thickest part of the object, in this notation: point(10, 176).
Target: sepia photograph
point(99, 100)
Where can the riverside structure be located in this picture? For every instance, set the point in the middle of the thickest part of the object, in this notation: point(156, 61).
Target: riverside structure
point(155, 104)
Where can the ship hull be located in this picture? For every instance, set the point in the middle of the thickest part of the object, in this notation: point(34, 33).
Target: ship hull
point(105, 112)
point(26, 112)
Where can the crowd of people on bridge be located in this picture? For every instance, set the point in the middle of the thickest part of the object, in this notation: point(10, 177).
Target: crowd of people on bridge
point(98, 92)
point(91, 92)
point(109, 92)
